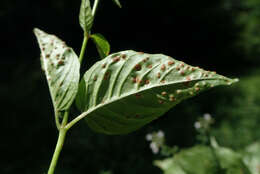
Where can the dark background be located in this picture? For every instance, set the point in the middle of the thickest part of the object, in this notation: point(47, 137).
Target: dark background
point(221, 36)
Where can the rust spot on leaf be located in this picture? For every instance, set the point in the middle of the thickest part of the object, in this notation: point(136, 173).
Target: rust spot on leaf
point(164, 93)
point(158, 75)
point(163, 67)
point(138, 95)
point(171, 62)
point(150, 66)
point(104, 65)
point(161, 102)
point(138, 67)
point(61, 62)
point(116, 59)
point(147, 82)
point(124, 56)
point(172, 98)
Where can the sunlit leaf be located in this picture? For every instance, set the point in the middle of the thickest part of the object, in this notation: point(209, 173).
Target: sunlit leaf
point(102, 45)
point(129, 89)
point(118, 3)
point(85, 16)
point(61, 67)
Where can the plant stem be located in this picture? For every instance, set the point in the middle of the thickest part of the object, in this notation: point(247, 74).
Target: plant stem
point(83, 48)
point(95, 8)
point(59, 145)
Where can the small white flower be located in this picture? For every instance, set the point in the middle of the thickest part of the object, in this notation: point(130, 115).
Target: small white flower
point(154, 147)
point(160, 134)
point(207, 117)
point(197, 125)
point(149, 137)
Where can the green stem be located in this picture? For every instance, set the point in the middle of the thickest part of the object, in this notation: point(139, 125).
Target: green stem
point(59, 145)
point(95, 8)
point(83, 48)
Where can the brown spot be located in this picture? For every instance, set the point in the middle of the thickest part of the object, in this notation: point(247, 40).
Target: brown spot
point(104, 65)
point(43, 49)
point(124, 56)
point(106, 75)
point(158, 75)
point(182, 73)
point(163, 67)
point(178, 68)
point(116, 59)
point(95, 78)
point(47, 55)
point(171, 62)
point(172, 98)
point(150, 66)
point(139, 81)
point(134, 80)
point(138, 95)
point(147, 82)
point(61, 84)
point(188, 78)
point(164, 93)
point(197, 89)
point(138, 67)
point(147, 58)
point(60, 62)
point(193, 69)
point(182, 64)
point(161, 102)
point(162, 81)
point(140, 52)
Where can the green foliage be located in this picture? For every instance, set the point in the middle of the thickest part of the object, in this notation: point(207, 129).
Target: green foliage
point(102, 45)
point(129, 89)
point(252, 157)
point(204, 160)
point(196, 160)
point(241, 114)
point(61, 67)
point(85, 16)
point(118, 3)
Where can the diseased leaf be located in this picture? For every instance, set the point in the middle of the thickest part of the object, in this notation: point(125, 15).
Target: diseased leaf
point(102, 45)
point(118, 3)
point(252, 158)
point(127, 90)
point(61, 67)
point(85, 16)
point(186, 162)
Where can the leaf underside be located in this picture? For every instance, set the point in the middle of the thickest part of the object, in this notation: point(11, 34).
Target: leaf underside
point(61, 67)
point(129, 89)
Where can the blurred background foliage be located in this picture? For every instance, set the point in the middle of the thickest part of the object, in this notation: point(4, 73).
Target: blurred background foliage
point(221, 35)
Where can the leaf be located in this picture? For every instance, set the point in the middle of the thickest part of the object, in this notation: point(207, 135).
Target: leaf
point(61, 66)
point(85, 16)
point(252, 158)
point(230, 161)
point(118, 3)
point(127, 90)
point(186, 162)
point(102, 44)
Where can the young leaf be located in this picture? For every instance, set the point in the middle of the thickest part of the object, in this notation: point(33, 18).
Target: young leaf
point(85, 16)
point(118, 3)
point(102, 45)
point(127, 90)
point(61, 67)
